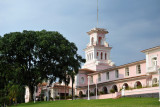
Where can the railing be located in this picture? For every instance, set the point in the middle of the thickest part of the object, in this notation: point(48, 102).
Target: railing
point(140, 91)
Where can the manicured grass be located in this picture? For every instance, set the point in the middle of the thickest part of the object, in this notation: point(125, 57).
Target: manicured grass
point(121, 102)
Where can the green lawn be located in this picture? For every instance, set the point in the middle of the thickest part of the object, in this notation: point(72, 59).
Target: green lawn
point(121, 102)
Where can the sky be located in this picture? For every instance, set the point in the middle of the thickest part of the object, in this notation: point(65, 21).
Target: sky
point(133, 25)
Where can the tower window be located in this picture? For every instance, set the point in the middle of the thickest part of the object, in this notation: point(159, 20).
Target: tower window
point(99, 40)
point(101, 55)
point(105, 56)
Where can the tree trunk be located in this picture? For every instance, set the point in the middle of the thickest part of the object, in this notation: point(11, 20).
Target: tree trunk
point(65, 85)
point(72, 87)
point(65, 89)
point(31, 91)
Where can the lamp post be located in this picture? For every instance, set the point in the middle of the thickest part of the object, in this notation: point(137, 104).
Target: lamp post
point(88, 89)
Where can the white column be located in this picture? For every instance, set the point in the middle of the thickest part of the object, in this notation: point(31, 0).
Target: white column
point(88, 88)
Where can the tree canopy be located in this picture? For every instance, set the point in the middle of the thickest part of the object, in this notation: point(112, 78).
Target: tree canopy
point(28, 57)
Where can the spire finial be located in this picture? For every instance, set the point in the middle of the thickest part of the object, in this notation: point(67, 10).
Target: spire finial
point(97, 13)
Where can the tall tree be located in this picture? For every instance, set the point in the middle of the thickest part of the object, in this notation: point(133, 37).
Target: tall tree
point(30, 56)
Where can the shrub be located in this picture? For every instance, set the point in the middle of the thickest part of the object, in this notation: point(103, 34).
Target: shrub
point(101, 92)
point(91, 94)
point(75, 96)
point(139, 86)
point(4, 100)
point(69, 97)
point(155, 85)
point(51, 99)
point(84, 95)
point(56, 97)
point(112, 91)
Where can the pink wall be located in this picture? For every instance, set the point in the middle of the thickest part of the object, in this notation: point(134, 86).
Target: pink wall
point(132, 73)
point(142, 91)
point(80, 75)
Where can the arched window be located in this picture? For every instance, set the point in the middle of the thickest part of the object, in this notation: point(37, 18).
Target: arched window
point(154, 61)
point(105, 90)
point(138, 85)
point(101, 55)
point(105, 56)
point(82, 80)
point(99, 40)
point(80, 94)
point(97, 55)
point(92, 41)
point(155, 82)
point(126, 86)
point(114, 87)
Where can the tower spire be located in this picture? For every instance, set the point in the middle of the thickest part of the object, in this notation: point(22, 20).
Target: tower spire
point(97, 13)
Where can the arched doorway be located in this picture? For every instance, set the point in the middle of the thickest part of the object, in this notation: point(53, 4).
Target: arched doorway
point(95, 91)
point(138, 84)
point(126, 86)
point(105, 90)
point(114, 87)
point(80, 94)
